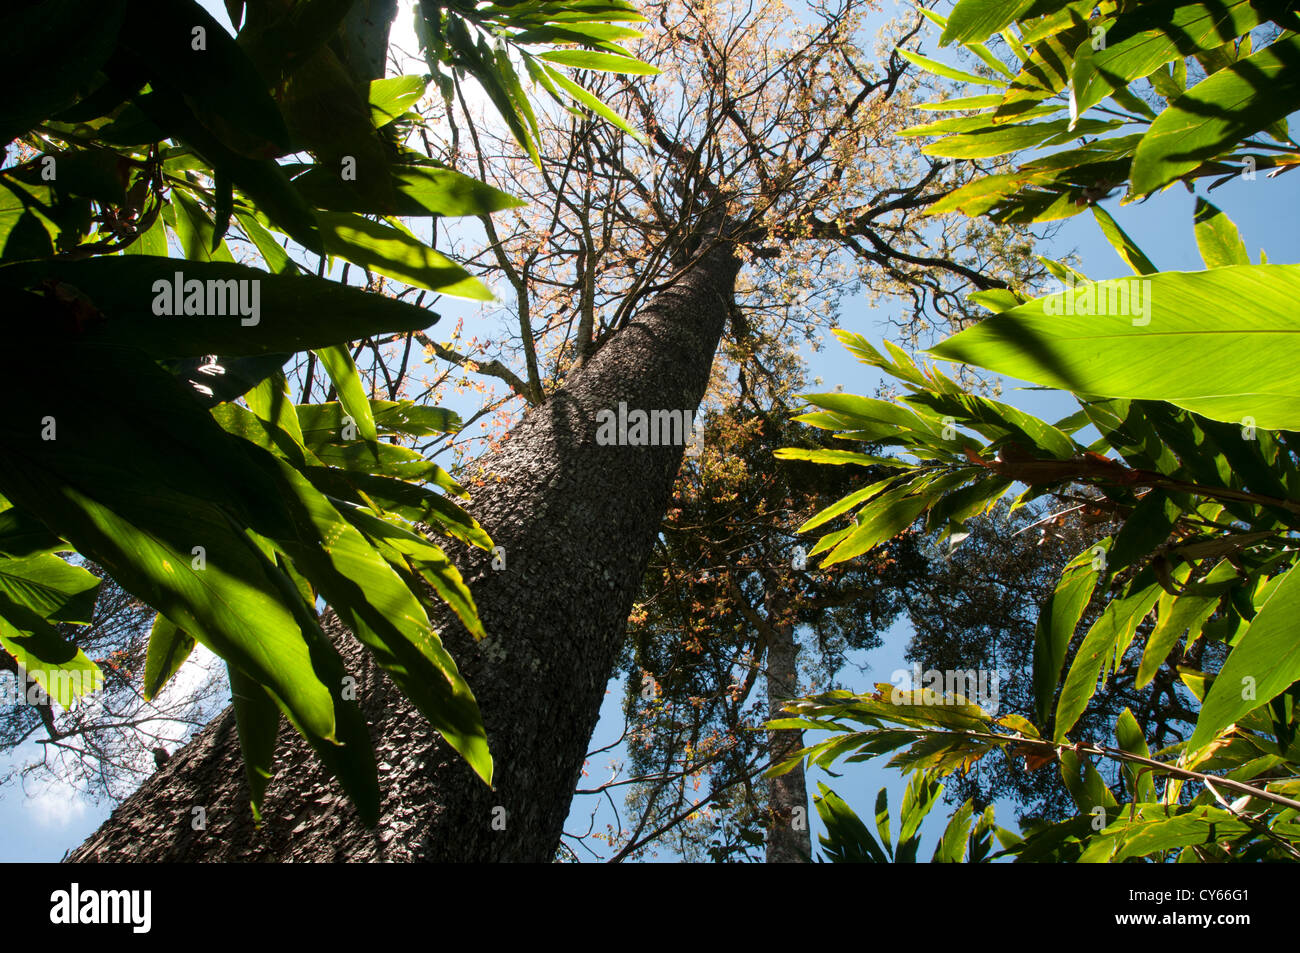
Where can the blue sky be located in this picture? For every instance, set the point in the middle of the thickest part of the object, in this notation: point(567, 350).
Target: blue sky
point(43, 827)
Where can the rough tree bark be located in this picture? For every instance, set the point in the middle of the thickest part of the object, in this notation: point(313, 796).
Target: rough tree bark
point(577, 522)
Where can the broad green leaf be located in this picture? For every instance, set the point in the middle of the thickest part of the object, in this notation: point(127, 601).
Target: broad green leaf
point(980, 19)
point(883, 519)
point(581, 33)
point(1000, 421)
point(1158, 832)
point(51, 587)
point(1263, 663)
point(965, 102)
point(1152, 34)
point(47, 64)
point(428, 559)
point(218, 81)
point(1129, 735)
point(835, 457)
point(21, 534)
point(397, 254)
point(390, 98)
point(418, 190)
point(321, 423)
point(381, 611)
point(414, 503)
point(63, 670)
point(1177, 615)
point(952, 845)
point(1223, 343)
point(1221, 110)
point(163, 522)
point(1013, 137)
point(277, 259)
point(923, 792)
point(847, 839)
point(195, 230)
point(843, 505)
point(294, 313)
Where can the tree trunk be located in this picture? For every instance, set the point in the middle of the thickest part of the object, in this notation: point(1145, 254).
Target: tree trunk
point(788, 837)
point(577, 522)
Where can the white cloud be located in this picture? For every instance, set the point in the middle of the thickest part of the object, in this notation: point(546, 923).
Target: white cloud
point(55, 806)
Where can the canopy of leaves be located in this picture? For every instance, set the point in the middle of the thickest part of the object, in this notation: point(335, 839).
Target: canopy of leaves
point(1199, 476)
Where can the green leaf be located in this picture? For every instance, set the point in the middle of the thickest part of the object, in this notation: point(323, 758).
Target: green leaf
point(428, 559)
point(1128, 250)
point(381, 611)
point(140, 510)
point(582, 33)
point(22, 534)
point(952, 845)
point(1185, 613)
point(1013, 137)
point(1058, 619)
point(1218, 112)
point(390, 98)
point(321, 423)
point(169, 647)
point(923, 792)
point(846, 503)
point(883, 519)
point(296, 313)
point(847, 839)
point(1129, 735)
point(47, 64)
point(414, 503)
point(63, 670)
point(258, 721)
point(352, 392)
point(943, 69)
point(1264, 663)
point(582, 97)
point(1223, 343)
point(585, 59)
point(397, 254)
point(980, 19)
point(1217, 237)
point(196, 232)
point(51, 587)
point(1150, 35)
point(1111, 633)
point(217, 79)
point(419, 190)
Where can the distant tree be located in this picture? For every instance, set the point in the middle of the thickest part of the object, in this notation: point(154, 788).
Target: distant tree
point(733, 620)
point(104, 745)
